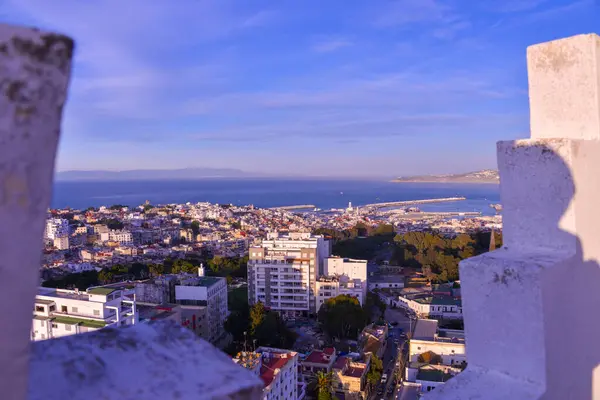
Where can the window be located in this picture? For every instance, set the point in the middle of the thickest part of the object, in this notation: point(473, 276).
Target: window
point(74, 309)
point(52, 308)
point(64, 309)
point(54, 325)
point(96, 312)
point(42, 323)
point(39, 308)
point(43, 336)
point(67, 327)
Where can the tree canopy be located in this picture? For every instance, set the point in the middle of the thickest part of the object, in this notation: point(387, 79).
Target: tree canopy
point(342, 317)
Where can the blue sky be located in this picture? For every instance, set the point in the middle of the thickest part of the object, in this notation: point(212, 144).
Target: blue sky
point(333, 88)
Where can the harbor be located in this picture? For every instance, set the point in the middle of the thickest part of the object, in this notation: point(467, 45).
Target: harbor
point(413, 202)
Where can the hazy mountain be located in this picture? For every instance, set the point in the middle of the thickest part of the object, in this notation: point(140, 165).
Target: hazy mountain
point(484, 176)
point(152, 174)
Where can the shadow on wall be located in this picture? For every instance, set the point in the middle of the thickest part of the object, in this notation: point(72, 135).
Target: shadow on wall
point(536, 218)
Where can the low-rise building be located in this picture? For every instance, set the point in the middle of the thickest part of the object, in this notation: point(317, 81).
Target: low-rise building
point(60, 312)
point(350, 377)
point(318, 361)
point(328, 287)
point(123, 237)
point(434, 356)
point(278, 370)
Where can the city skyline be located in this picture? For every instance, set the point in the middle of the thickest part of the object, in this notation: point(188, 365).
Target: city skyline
point(394, 88)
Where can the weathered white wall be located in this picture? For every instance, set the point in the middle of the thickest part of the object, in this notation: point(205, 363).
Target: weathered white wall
point(531, 306)
point(34, 73)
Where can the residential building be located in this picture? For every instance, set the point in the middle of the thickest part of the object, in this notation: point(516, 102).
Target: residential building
point(278, 369)
point(318, 361)
point(56, 227)
point(123, 237)
point(350, 377)
point(434, 355)
point(61, 242)
point(342, 276)
point(328, 287)
point(283, 271)
point(191, 290)
point(354, 269)
point(60, 312)
point(427, 306)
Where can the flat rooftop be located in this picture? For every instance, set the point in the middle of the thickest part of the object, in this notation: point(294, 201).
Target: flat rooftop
point(425, 329)
point(62, 294)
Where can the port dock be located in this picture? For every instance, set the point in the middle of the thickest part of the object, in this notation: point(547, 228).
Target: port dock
point(300, 207)
point(413, 202)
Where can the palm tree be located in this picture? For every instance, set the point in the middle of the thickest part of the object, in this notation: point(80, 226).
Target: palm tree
point(324, 382)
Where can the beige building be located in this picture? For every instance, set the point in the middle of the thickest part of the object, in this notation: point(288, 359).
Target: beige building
point(283, 271)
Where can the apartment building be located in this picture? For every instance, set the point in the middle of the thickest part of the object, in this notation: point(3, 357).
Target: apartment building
point(278, 369)
point(191, 290)
point(283, 271)
point(56, 227)
point(123, 237)
point(342, 276)
point(61, 242)
point(60, 312)
point(328, 287)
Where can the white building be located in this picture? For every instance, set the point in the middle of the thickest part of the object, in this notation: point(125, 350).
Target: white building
point(60, 312)
point(354, 269)
point(434, 356)
point(56, 227)
point(328, 287)
point(278, 369)
point(206, 291)
point(283, 271)
point(61, 242)
point(123, 237)
point(432, 306)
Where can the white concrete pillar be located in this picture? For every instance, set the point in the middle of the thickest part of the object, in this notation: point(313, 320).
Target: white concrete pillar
point(34, 73)
point(531, 307)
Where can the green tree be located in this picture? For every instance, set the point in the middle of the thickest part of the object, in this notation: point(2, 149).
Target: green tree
point(375, 370)
point(195, 226)
point(106, 276)
point(184, 266)
point(272, 332)
point(257, 316)
point(324, 383)
point(342, 317)
point(139, 270)
point(156, 269)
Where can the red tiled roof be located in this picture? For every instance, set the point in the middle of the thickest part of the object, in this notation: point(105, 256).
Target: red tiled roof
point(319, 356)
point(267, 370)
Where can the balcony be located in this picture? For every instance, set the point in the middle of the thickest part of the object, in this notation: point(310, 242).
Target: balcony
point(518, 300)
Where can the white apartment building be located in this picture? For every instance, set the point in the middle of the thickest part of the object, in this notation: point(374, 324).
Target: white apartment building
point(60, 312)
point(61, 242)
point(354, 269)
point(278, 369)
point(283, 271)
point(342, 276)
point(328, 287)
point(56, 227)
point(206, 291)
point(123, 237)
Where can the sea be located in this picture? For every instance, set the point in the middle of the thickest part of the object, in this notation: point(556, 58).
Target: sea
point(324, 194)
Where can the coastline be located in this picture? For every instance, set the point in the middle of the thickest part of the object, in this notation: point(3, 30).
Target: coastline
point(445, 182)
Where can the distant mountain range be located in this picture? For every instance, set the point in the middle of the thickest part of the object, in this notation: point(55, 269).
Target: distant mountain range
point(484, 176)
point(152, 174)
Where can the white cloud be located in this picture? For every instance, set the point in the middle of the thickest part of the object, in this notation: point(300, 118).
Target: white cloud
point(332, 44)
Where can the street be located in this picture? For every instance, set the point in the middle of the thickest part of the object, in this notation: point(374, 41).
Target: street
point(390, 355)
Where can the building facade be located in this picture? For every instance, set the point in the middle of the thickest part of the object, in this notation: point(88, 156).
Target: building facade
point(61, 242)
point(283, 271)
point(278, 369)
point(60, 312)
point(342, 276)
point(56, 227)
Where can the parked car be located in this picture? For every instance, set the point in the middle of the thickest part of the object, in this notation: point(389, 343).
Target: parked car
point(384, 378)
point(394, 323)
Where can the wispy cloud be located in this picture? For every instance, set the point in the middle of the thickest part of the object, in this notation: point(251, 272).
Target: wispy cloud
point(331, 44)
